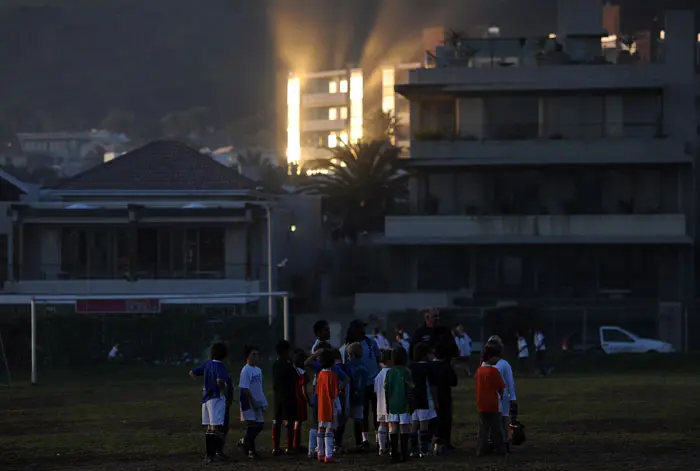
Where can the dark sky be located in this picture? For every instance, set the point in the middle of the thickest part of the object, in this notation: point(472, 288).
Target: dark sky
point(73, 60)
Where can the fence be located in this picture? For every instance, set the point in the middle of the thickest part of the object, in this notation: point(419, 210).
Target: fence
point(176, 334)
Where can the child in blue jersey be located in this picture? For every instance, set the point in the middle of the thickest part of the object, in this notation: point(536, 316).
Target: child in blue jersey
point(357, 371)
point(215, 402)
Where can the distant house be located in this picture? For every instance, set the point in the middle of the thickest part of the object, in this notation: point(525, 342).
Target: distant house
point(73, 152)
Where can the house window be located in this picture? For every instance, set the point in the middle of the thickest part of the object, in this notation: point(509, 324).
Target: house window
point(344, 112)
point(343, 86)
point(332, 86)
point(73, 253)
point(191, 253)
point(332, 114)
point(211, 251)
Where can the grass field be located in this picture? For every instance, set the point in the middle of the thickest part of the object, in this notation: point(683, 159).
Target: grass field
point(147, 418)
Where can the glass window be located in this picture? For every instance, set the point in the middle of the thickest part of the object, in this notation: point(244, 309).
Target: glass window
point(344, 112)
point(332, 140)
point(211, 252)
point(332, 114)
point(147, 253)
point(191, 252)
point(121, 248)
point(101, 254)
point(611, 335)
point(332, 86)
point(73, 253)
point(165, 255)
point(343, 86)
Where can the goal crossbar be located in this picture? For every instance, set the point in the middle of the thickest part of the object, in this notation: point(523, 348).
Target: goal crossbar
point(34, 301)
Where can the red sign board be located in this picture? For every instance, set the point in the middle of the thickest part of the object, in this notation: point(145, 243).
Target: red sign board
point(117, 306)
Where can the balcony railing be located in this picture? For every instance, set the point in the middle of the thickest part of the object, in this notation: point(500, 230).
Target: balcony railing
point(488, 229)
point(518, 52)
point(58, 272)
point(543, 130)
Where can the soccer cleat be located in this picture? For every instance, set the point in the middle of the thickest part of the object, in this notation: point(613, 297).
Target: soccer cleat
point(321, 458)
point(382, 452)
point(220, 456)
point(243, 446)
point(277, 452)
point(252, 455)
point(332, 459)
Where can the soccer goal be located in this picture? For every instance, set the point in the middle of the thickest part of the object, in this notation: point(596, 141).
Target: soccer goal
point(168, 318)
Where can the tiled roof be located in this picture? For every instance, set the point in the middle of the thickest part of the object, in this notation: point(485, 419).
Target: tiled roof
point(160, 165)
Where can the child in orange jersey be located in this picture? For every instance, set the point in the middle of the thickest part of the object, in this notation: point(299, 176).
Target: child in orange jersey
point(327, 391)
point(489, 389)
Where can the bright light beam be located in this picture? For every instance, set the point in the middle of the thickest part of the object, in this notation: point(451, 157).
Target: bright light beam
point(356, 107)
point(293, 120)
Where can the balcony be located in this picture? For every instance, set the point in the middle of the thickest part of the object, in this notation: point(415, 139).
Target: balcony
point(541, 229)
point(600, 150)
point(323, 125)
point(317, 100)
point(536, 64)
point(53, 279)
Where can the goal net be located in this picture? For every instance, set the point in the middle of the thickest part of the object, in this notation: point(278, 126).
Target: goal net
point(74, 332)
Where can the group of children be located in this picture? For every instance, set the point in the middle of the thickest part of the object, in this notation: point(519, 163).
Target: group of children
point(413, 411)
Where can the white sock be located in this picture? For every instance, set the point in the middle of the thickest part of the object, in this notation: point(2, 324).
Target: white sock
point(329, 443)
point(312, 440)
point(382, 437)
point(365, 436)
point(321, 443)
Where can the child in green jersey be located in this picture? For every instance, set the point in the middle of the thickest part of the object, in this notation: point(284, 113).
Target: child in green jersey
point(398, 386)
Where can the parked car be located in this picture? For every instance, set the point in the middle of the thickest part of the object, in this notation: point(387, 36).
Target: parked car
point(614, 339)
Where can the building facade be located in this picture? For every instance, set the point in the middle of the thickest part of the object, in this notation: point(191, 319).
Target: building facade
point(326, 108)
point(163, 219)
point(550, 174)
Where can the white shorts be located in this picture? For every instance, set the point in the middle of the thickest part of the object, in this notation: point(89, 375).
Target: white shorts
point(253, 415)
point(331, 425)
point(403, 419)
point(356, 412)
point(214, 411)
point(423, 415)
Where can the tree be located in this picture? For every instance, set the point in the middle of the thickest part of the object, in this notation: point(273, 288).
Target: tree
point(118, 121)
point(361, 185)
point(270, 175)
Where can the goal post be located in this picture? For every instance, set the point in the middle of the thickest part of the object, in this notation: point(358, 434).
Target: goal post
point(134, 299)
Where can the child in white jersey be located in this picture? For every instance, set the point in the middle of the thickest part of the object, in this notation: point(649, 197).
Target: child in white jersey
point(253, 401)
point(382, 413)
point(523, 353)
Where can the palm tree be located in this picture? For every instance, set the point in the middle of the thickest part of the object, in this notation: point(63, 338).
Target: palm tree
point(361, 185)
point(380, 125)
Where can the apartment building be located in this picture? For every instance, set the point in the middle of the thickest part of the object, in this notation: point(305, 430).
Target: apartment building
point(544, 171)
point(325, 108)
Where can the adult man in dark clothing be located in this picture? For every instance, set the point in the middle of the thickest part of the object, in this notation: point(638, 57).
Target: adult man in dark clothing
point(433, 333)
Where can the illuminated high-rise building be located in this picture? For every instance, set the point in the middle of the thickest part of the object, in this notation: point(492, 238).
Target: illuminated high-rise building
point(327, 108)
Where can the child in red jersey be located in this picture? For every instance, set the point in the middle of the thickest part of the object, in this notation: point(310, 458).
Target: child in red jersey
point(303, 398)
